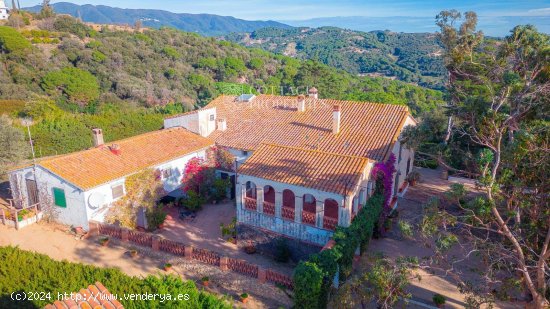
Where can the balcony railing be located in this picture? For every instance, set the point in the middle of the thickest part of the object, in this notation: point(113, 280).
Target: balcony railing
point(269, 208)
point(250, 203)
point(288, 213)
point(330, 223)
point(308, 218)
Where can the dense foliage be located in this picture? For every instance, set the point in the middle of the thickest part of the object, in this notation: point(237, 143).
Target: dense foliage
point(57, 131)
point(27, 271)
point(410, 57)
point(313, 278)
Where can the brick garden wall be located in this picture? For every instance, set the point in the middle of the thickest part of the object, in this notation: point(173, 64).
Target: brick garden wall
point(158, 243)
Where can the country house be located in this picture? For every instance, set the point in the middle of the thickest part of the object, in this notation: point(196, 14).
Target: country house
point(303, 163)
point(81, 186)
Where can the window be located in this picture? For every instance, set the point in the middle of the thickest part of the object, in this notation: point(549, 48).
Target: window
point(166, 173)
point(245, 153)
point(117, 190)
point(59, 197)
point(212, 117)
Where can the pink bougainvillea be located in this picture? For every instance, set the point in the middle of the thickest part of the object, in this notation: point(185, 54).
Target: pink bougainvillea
point(194, 174)
point(383, 172)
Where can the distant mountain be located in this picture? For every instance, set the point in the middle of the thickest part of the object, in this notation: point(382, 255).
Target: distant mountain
point(410, 57)
point(495, 26)
point(205, 24)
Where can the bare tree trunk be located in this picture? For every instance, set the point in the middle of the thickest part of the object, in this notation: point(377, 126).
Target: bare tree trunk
point(449, 126)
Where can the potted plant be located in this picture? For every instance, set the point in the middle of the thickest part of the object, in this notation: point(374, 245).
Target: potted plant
point(133, 253)
point(167, 266)
point(439, 300)
point(244, 298)
point(104, 241)
point(205, 280)
point(413, 177)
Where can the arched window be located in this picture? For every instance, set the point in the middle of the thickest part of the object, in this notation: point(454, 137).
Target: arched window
point(330, 218)
point(269, 194)
point(309, 203)
point(289, 200)
point(250, 189)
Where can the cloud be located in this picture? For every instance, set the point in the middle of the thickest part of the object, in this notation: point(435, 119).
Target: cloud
point(539, 12)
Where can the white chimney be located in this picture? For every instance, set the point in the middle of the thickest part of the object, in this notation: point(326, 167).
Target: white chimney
point(336, 113)
point(301, 103)
point(313, 93)
point(222, 124)
point(97, 135)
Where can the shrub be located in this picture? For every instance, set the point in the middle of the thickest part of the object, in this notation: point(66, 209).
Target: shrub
point(12, 41)
point(171, 52)
point(155, 217)
point(438, 299)
point(358, 234)
point(28, 271)
point(193, 201)
point(78, 85)
point(282, 251)
point(219, 189)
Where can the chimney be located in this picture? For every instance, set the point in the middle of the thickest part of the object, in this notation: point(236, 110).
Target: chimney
point(222, 124)
point(97, 135)
point(313, 93)
point(301, 103)
point(115, 149)
point(336, 113)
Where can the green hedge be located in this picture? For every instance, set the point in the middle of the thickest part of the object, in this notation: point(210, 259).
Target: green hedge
point(32, 272)
point(313, 278)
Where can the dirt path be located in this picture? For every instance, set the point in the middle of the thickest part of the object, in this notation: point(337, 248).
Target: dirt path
point(56, 242)
point(435, 281)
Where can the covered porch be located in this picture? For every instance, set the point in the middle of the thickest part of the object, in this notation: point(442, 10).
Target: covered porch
point(300, 193)
point(316, 209)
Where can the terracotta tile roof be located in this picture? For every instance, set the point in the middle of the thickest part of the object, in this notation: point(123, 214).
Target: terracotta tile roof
point(96, 296)
point(315, 169)
point(90, 168)
point(367, 129)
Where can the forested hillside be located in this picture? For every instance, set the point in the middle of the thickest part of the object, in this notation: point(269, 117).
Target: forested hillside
point(204, 24)
point(70, 78)
point(410, 57)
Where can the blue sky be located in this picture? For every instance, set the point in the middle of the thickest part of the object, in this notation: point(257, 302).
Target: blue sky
point(295, 10)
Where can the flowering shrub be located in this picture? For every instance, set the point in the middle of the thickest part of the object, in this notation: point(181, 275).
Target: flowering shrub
point(221, 158)
point(195, 174)
point(383, 172)
point(199, 181)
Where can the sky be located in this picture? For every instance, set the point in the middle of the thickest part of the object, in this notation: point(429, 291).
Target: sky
point(494, 13)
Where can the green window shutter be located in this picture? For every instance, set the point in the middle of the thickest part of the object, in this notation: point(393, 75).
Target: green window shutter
point(59, 197)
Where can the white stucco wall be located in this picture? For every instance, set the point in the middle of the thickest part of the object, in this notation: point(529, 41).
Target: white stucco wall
point(79, 209)
point(401, 161)
point(199, 122)
point(171, 183)
point(4, 14)
point(74, 214)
